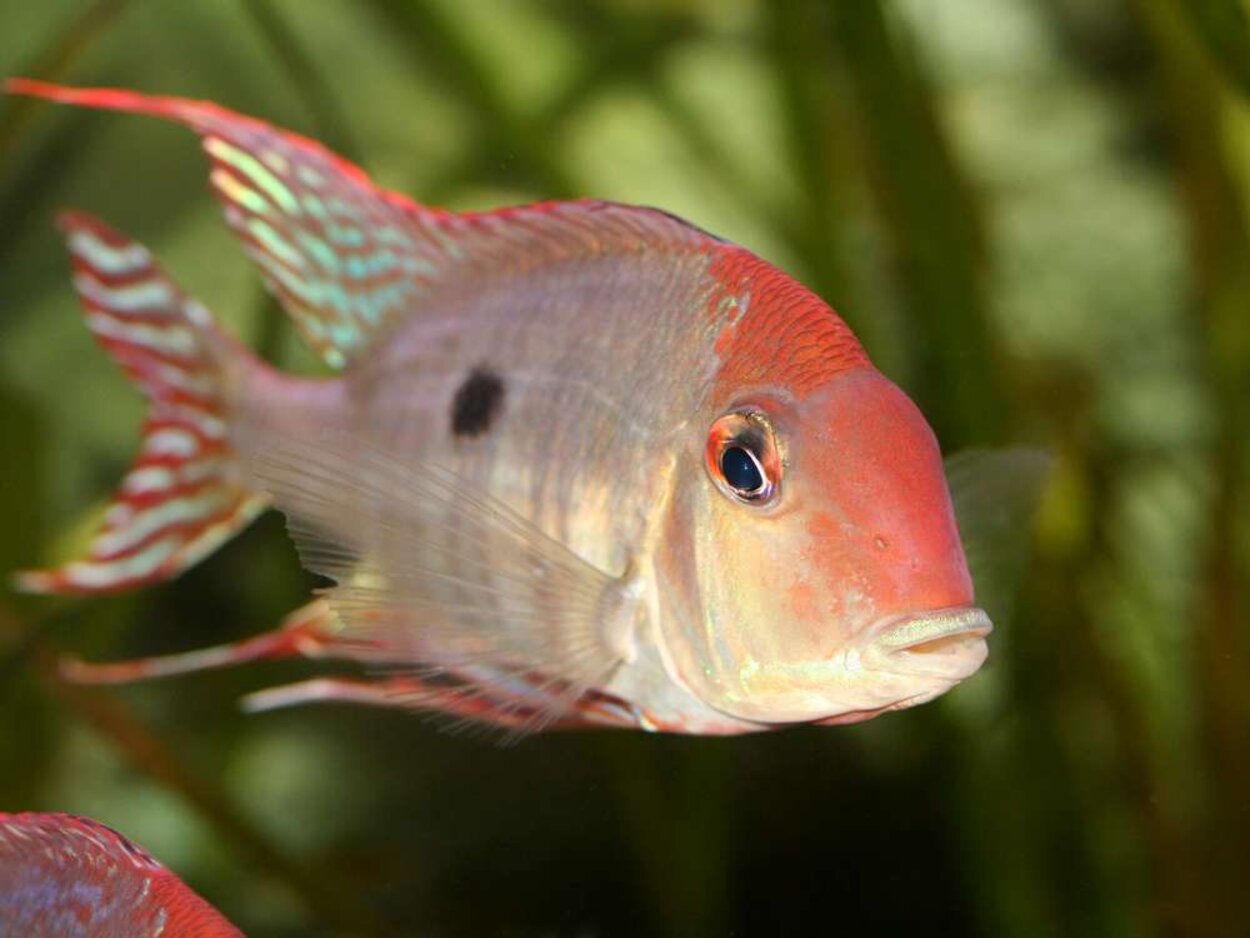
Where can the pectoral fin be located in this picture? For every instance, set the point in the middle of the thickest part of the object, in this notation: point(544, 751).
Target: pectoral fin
point(996, 493)
point(433, 572)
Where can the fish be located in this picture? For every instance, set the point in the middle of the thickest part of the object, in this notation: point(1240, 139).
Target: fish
point(579, 464)
point(65, 876)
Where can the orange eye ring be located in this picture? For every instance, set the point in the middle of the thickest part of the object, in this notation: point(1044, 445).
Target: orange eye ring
point(742, 457)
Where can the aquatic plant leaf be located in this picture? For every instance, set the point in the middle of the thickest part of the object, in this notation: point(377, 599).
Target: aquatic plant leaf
point(1223, 28)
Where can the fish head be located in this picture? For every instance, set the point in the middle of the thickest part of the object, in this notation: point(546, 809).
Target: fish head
point(831, 581)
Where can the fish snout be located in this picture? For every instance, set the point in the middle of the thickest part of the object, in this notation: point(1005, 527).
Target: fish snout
point(946, 643)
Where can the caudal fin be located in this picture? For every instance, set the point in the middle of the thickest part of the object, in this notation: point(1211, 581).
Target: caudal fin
point(183, 497)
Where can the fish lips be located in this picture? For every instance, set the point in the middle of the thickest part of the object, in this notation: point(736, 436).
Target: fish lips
point(928, 652)
point(947, 644)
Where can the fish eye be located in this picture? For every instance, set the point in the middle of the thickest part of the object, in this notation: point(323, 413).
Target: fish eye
point(742, 457)
point(740, 468)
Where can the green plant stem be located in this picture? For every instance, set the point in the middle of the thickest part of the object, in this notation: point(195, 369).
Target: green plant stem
point(1215, 201)
point(933, 226)
point(438, 45)
point(54, 61)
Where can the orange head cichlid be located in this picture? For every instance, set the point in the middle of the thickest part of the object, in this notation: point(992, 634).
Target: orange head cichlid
point(63, 875)
point(583, 464)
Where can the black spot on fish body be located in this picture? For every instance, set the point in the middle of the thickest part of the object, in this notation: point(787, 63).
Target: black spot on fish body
point(477, 403)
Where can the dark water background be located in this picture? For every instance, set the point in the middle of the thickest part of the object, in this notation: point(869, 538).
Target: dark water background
point(1035, 213)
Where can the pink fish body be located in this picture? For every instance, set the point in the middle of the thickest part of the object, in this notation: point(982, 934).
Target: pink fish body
point(63, 876)
point(583, 463)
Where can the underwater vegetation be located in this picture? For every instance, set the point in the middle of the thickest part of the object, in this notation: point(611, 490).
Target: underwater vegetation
point(1033, 214)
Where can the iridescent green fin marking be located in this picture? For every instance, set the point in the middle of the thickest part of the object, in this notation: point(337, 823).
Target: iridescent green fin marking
point(348, 259)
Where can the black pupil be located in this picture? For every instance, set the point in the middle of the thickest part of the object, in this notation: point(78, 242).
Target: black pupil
point(740, 469)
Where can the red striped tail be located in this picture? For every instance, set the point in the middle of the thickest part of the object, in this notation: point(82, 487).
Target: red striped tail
point(182, 498)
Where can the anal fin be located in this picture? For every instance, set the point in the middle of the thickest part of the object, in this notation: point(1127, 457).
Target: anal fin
point(478, 704)
point(474, 694)
point(433, 571)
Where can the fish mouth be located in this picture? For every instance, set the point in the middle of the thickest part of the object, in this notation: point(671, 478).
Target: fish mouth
point(944, 643)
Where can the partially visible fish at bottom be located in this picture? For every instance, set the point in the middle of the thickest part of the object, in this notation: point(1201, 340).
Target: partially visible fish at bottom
point(64, 876)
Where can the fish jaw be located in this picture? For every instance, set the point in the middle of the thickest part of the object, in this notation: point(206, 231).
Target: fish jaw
point(928, 653)
point(947, 643)
point(901, 661)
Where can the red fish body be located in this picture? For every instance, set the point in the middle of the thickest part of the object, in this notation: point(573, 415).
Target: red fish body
point(63, 876)
point(584, 463)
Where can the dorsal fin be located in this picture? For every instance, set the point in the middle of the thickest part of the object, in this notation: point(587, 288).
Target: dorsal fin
point(349, 259)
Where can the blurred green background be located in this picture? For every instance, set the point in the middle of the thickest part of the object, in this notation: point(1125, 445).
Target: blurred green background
point(1035, 213)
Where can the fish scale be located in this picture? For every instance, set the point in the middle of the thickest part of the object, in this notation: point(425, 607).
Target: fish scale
point(518, 481)
point(539, 466)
